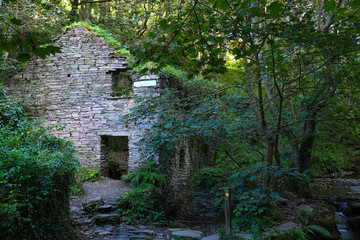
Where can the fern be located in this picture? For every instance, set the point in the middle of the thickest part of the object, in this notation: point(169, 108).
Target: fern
point(147, 176)
point(296, 234)
point(312, 229)
point(316, 229)
point(144, 203)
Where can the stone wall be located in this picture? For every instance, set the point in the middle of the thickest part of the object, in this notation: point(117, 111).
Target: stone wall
point(73, 92)
point(189, 157)
point(73, 89)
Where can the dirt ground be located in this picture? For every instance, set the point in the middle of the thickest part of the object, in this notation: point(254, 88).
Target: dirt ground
point(108, 189)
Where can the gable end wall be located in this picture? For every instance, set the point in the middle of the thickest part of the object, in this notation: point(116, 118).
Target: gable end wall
point(73, 89)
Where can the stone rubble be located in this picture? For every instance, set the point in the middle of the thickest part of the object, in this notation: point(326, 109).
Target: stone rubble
point(187, 233)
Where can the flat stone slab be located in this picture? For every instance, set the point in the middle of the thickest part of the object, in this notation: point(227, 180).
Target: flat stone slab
point(105, 208)
point(286, 226)
point(188, 233)
point(175, 229)
point(281, 228)
point(92, 203)
point(212, 237)
point(74, 209)
point(305, 208)
point(103, 218)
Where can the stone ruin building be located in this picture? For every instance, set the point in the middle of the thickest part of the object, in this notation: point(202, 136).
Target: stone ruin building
point(82, 92)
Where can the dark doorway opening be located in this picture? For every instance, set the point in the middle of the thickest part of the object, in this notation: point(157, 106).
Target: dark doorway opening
point(114, 156)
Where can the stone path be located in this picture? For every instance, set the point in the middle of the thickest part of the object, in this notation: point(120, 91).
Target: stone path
point(107, 229)
point(101, 222)
point(108, 189)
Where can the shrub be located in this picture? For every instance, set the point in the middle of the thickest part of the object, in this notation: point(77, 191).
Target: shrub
point(291, 234)
point(144, 203)
point(36, 171)
point(91, 175)
point(149, 175)
point(253, 191)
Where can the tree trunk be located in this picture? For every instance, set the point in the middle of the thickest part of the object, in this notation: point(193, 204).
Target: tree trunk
point(307, 145)
point(294, 147)
point(74, 9)
point(258, 108)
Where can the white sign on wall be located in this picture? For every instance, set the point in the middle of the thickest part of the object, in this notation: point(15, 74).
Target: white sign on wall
point(149, 83)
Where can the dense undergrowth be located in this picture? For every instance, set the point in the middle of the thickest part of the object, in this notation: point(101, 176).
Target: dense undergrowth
point(145, 202)
point(202, 109)
point(36, 170)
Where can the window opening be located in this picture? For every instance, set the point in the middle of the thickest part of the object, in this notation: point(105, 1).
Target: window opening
point(114, 156)
point(122, 84)
point(182, 159)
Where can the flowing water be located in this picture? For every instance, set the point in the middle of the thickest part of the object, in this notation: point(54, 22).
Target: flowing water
point(340, 193)
point(343, 226)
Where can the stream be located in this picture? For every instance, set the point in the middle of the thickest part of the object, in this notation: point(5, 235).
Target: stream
point(343, 194)
point(343, 226)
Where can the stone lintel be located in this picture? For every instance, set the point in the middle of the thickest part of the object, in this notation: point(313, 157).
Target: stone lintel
point(115, 134)
point(117, 98)
point(149, 77)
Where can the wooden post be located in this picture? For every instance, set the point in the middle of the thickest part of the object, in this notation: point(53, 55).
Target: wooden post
point(227, 212)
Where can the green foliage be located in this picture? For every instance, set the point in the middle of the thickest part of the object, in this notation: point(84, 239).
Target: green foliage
point(180, 81)
point(290, 75)
point(92, 175)
point(144, 67)
point(25, 26)
point(253, 191)
point(149, 175)
point(36, 171)
point(45, 50)
point(119, 49)
point(316, 230)
point(335, 148)
point(219, 173)
point(122, 84)
point(292, 234)
point(210, 176)
point(81, 176)
point(184, 110)
point(231, 76)
point(114, 169)
point(144, 203)
point(75, 189)
point(312, 230)
point(290, 72)
point(7, 66)
point(10, 116)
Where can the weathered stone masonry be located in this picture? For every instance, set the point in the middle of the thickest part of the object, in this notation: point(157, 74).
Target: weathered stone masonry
point(73, 89)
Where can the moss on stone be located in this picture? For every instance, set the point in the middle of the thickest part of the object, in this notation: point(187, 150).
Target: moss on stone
point(108, 38)
point(324, 215)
